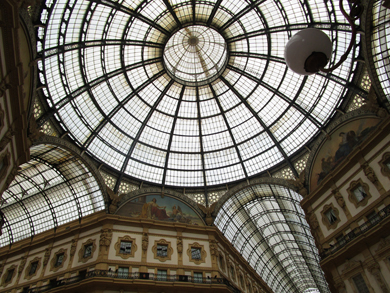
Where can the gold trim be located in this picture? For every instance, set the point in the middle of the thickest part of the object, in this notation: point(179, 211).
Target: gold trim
point(169, 250)
point(352, 198)
point(82, 250)
point(27, 275)
point(53, 261)
point(118, 247)
point(203, 253)
point(325, 220)
point(3, 282)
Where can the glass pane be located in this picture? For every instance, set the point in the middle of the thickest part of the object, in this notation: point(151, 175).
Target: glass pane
point(195, 253)
point(87, 250)
point(162, 250)
point(125, 247)
point(123, 273)
point(161, 275)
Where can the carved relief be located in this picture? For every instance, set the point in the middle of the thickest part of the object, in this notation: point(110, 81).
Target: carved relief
point(32, 268)
point(105, 238)
point(341, 202)
point(145, 242)
point(299, 183)
point(213, 247)
point(73, 247)
point(87, 249)
point(359, 193)
point(115, 199)
point(179, 245)
point(208, 211)
point(375, 271)
point(162, 250)
point(196, 253)
point(46, 256)
point(125, 247)
point(22, 264)
point(34, 131)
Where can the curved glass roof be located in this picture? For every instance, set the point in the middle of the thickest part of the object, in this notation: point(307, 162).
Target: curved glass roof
point(187, 93)
point(267, 225)
point(51, 189)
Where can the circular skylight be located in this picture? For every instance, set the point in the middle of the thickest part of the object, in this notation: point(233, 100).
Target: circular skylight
point(195, 55)
point(187, 93)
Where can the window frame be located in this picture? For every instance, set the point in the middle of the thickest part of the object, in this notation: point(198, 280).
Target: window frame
point(325, 220)
point(162, 242)
point(203, 253)
point(53, 263)
point(27, 272)
point(89, 242)
point(133, 249)
point(354, 185)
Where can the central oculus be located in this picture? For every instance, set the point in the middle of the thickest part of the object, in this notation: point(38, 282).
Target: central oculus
point(195, 55)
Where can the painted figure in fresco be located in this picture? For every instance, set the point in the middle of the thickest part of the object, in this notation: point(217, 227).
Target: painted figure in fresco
point(349, 141)
point(152, 210)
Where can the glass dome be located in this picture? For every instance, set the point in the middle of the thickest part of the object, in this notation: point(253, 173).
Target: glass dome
point(187, 93)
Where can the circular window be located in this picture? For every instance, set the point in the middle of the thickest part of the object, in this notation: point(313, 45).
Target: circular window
point(195, 55)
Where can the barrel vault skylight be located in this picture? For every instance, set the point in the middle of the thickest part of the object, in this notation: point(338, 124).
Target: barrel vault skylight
point(52, 189)
point(267, 225)
point(187, 93)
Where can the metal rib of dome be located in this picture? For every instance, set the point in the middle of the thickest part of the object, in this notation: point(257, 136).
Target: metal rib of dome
point(267, 225)
point(108, 85)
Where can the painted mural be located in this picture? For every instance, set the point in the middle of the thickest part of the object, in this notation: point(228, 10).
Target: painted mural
point(343, 141)
point(159, 208)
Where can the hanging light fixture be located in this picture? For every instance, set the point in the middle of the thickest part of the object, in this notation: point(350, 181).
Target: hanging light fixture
point(308, 51)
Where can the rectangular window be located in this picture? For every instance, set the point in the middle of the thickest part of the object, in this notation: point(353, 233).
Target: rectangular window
point(87, 250)
point(60, 259)
point(359, 193)
point(162, 250)
point(125, 247)
point(33, 268)
point(123, 273)
point(331, 216)
point(162, 275)
point(360, 284)
point(198, 278)
point(195, 253)
point(10, 275)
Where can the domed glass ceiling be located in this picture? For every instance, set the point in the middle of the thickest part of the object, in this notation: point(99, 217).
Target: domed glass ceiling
point(187, 93)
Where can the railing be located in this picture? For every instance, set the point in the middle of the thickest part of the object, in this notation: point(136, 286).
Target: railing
point(134, 276)
point(373, 221)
